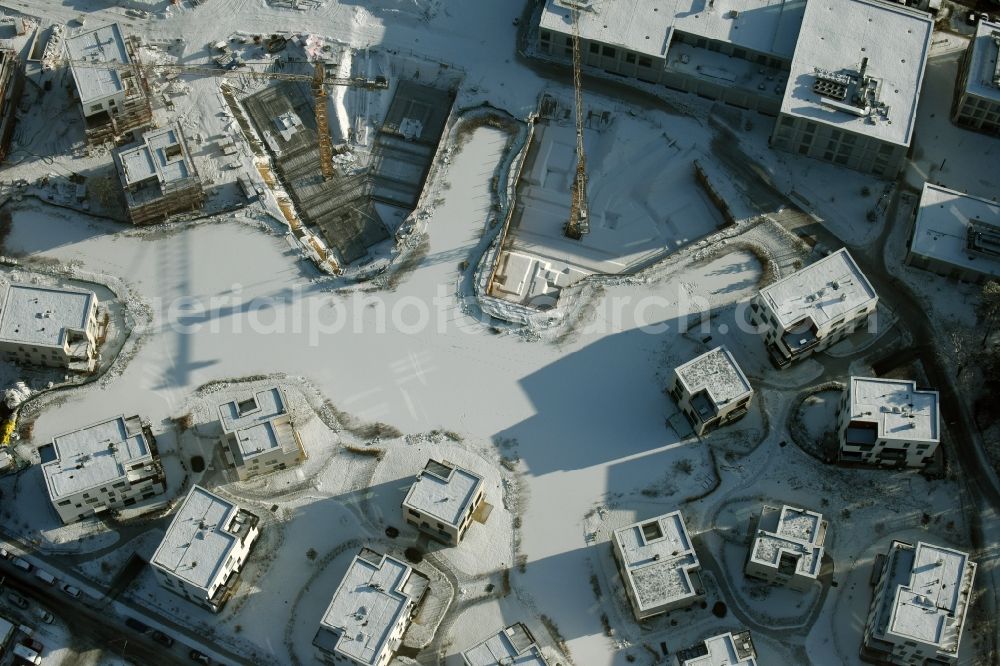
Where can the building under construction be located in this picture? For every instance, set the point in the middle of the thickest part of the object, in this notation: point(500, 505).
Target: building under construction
point(110, 84)
point(11, 84)
point(159, 177)
point(352, 211)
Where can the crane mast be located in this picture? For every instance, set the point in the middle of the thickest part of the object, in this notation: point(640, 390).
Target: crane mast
point(578, 223)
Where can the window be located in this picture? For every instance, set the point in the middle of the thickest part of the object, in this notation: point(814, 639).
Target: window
point(414, 513)
point(95, 107)
point(645, 62)
point(546, 36)
point(609, 51)
point(64, 503)
point(594, 48)
point(630, 58)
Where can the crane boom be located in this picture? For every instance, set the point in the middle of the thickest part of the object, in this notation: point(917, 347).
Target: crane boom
point(578, 223)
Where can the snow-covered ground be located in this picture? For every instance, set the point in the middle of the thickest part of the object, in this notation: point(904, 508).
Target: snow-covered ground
point(570, 427)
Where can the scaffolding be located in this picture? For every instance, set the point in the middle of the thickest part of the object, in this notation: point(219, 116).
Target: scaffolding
point(136, 111)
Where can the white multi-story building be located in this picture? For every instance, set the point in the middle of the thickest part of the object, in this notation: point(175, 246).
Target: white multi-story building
point(788, 547)
point(158, 176)
point(956, 235)
point(854, 84)
point(919, 605)
point(259, 435)
point(733, 51)
point(977, 86)
point(114, 99)
point(443, 500)
point(732, 649)
point(371, 610)
point(658, 565)
point(813, 308)
point(711, 390)
point(514, 646)
point(49, 326)
point(888, 422)
point(204, 549)
point(109, 465)
point(845, 88)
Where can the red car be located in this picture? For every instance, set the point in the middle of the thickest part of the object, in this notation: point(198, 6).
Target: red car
point(33, 644)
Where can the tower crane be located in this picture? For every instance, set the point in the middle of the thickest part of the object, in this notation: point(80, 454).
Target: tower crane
point(579, 222)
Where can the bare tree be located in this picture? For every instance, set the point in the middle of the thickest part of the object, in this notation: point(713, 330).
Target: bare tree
point(988, 310)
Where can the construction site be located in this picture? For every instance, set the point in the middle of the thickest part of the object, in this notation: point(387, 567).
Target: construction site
point(158, 176)
point(393, 236)
point(11, 84)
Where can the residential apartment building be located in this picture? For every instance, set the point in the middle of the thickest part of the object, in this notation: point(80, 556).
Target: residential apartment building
point(658, 565)
point(11, 86)
point(370, 611)
point(856, 78)
point(49, 326)
point(788, 545)
point(844, 91)
point(102, 467)
point(513, 646)
point(158, 176)
point(114, 99)
point(813, 308)
point(203, 550)
point(259, 435)
point(734, 51)
point(443, 500)
point(888, 422)
point(711, 390)
point(732, 649)
point(977, 87)
point(956, 235)
point(919, 605)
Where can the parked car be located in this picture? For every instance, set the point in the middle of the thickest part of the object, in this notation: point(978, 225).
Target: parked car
point(162, 638)
point(194, 655)
point(17, 600)
point(43, 615)
point(74, 592)
point(23, 565)
point(133, 623)
point(5, 554)
point(26, 655)
point(33, 644)
point(45, 576)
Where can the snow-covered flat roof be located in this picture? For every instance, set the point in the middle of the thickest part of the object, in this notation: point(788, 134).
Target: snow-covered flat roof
point(836, 36)
point(96, 455)
point(928, 594)
point(790, 530)
point(645, 26)
point(897, 407)
point(100, 45)
point(40, 316)
point(822, 291)
point(717, 372)
point(659, 557)
point(199, 540)
point(513, 646)
point(984, 66)
point(161, 154)
point(941, 229)
point(724, 650)
point(443, 490)
point(367, 606)
point(256, 423)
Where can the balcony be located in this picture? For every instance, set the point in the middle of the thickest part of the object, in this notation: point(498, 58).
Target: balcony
point(800, 337)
